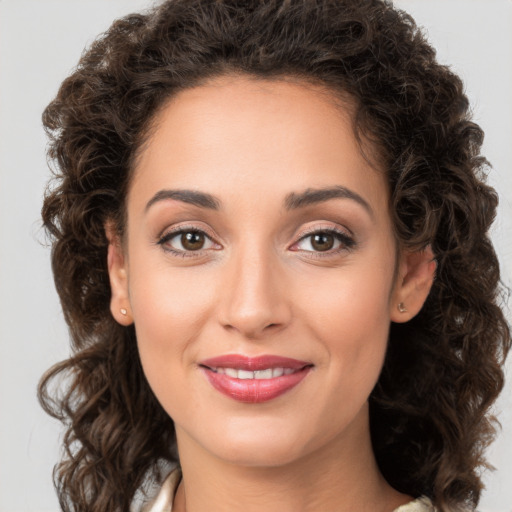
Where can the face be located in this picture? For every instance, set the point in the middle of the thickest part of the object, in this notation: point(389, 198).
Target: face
point(259, 270)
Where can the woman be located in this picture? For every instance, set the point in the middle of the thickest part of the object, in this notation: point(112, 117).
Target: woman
point(270, 243)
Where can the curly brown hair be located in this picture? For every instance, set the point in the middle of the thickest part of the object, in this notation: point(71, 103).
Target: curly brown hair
point(430, 420)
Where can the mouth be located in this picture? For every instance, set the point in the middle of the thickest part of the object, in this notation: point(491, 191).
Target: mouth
point(254, 380)
point(268, 373)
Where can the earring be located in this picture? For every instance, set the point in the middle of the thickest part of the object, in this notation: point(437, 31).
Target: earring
point(123, 311)
point(401, 307)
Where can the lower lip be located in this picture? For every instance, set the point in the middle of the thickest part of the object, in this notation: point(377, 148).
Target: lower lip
point(254, 390)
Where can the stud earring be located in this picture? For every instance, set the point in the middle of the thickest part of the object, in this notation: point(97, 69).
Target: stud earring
point(401, 307)
point(123, 311)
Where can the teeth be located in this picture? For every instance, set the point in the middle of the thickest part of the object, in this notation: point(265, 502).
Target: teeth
point(231, 372)
point(263, 374)
point(268, 373)
point(277, 372)
point(244, 374)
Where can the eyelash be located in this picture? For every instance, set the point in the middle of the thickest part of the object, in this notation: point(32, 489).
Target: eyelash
point(347, 242)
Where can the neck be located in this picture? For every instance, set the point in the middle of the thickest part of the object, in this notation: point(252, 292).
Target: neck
point(342, 475)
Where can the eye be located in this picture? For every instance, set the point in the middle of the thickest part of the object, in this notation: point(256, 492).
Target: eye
point(186, 240)
point(325, 241)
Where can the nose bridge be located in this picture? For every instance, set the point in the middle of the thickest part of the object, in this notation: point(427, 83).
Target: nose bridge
point(253, 300)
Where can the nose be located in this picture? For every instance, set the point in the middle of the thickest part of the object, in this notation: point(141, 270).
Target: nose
point(253, 299)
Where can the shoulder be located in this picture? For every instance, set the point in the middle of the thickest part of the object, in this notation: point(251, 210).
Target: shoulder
point(422, 504)
point(165, 497)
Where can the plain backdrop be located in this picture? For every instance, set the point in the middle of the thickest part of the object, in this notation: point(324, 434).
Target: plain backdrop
point(40, 42)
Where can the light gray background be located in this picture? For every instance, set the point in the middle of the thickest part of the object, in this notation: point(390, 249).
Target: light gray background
point(40, 42)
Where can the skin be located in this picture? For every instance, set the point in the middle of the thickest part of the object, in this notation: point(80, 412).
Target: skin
point(260, 286)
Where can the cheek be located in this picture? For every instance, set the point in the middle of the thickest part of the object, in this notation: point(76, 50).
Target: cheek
point(351, 302)
point(166, 300)
point(341, 316)
point(355, 326)
point(169, 312)
point(350, 314)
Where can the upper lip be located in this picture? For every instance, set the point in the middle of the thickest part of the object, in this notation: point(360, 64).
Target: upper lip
point(241, 362)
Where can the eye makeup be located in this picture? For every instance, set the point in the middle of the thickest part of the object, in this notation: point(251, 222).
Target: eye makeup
point(323, 242)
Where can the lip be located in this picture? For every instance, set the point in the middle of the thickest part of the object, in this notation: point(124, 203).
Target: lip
point(254, 390)
point(241, 362)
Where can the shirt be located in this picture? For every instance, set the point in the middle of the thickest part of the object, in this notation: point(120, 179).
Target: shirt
point(165, 497)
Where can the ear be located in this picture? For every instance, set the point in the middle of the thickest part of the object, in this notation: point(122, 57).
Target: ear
point(415, 278)
point(118, 275)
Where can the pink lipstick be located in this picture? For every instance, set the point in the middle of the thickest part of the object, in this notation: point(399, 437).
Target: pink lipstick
point(254, 379)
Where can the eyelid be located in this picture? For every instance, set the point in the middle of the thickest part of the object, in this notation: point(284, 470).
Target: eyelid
point(344, 236)
point(325, 228)
point(168, 234)
point(185, 227)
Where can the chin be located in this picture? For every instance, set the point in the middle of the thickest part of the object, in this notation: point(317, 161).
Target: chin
point(259, 454)
point(258, 445)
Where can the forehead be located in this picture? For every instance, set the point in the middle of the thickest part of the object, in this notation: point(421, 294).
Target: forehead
point(237, 134)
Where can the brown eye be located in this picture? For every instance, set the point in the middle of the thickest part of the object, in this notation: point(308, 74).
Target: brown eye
point(185, 241)
point(192, 240)
point(322, 241)
point(329, 241)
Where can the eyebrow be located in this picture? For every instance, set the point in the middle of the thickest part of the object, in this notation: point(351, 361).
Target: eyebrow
point(320, 195)
point(201, 199)
point(292, 201)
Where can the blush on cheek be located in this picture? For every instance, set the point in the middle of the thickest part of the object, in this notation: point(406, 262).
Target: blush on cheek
point(356, 320)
